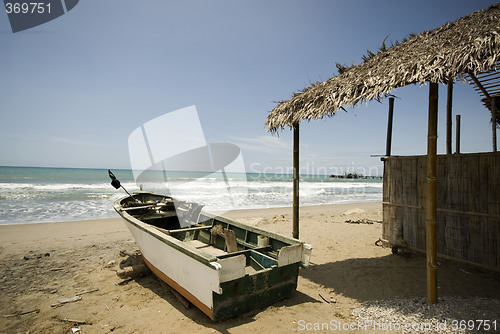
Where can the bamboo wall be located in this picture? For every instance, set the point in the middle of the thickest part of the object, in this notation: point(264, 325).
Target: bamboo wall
point(468, 206)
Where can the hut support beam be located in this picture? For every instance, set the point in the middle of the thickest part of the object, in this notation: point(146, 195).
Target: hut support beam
point(479, 85)
point(389, 127)
point(431, 208)
point(494, 122)
point(295, 232)
point(449, 112)
point(457, 135)
point(493, 108)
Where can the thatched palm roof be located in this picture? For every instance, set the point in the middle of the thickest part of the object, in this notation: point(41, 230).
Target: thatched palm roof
point(471, 43)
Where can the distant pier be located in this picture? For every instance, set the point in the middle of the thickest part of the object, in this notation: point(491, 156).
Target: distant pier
point(354, 176)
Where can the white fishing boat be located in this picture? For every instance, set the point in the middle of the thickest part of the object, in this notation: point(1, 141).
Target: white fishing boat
point(223, 267)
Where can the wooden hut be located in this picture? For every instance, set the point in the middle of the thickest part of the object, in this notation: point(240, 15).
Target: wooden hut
point(446, 204)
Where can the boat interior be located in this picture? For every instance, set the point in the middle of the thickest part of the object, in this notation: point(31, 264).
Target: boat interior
point(212, 235)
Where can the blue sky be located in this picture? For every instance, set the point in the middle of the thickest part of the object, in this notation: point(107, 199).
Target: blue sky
point(75, 88)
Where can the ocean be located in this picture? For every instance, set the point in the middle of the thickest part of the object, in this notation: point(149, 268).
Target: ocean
point(38, 194)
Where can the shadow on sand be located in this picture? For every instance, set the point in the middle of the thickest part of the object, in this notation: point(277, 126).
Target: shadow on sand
point(400, 276)
point(362, 279)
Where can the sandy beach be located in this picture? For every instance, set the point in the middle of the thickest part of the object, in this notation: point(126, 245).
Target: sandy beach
point(40, 264)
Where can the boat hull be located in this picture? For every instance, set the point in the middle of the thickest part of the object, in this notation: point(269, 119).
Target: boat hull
point(190, 277)
point(241, 295)
point(253, 292)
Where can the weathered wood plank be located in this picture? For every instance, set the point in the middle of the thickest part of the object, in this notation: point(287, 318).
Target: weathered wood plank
point(231, 244)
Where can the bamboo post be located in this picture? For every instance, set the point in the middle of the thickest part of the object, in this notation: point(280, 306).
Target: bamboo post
point(449, 111)
point(389, 127)
point(457, 135)
point(295, 232)
point(494, 122)
point(431, 238)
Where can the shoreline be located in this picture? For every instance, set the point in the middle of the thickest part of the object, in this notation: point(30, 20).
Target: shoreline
point(63, 230)
point(249, 210)
point(43, 262)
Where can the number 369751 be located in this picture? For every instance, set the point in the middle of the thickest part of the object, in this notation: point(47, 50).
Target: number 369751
point(27, 7)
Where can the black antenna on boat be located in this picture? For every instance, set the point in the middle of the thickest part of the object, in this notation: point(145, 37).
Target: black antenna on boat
point(116, 183)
